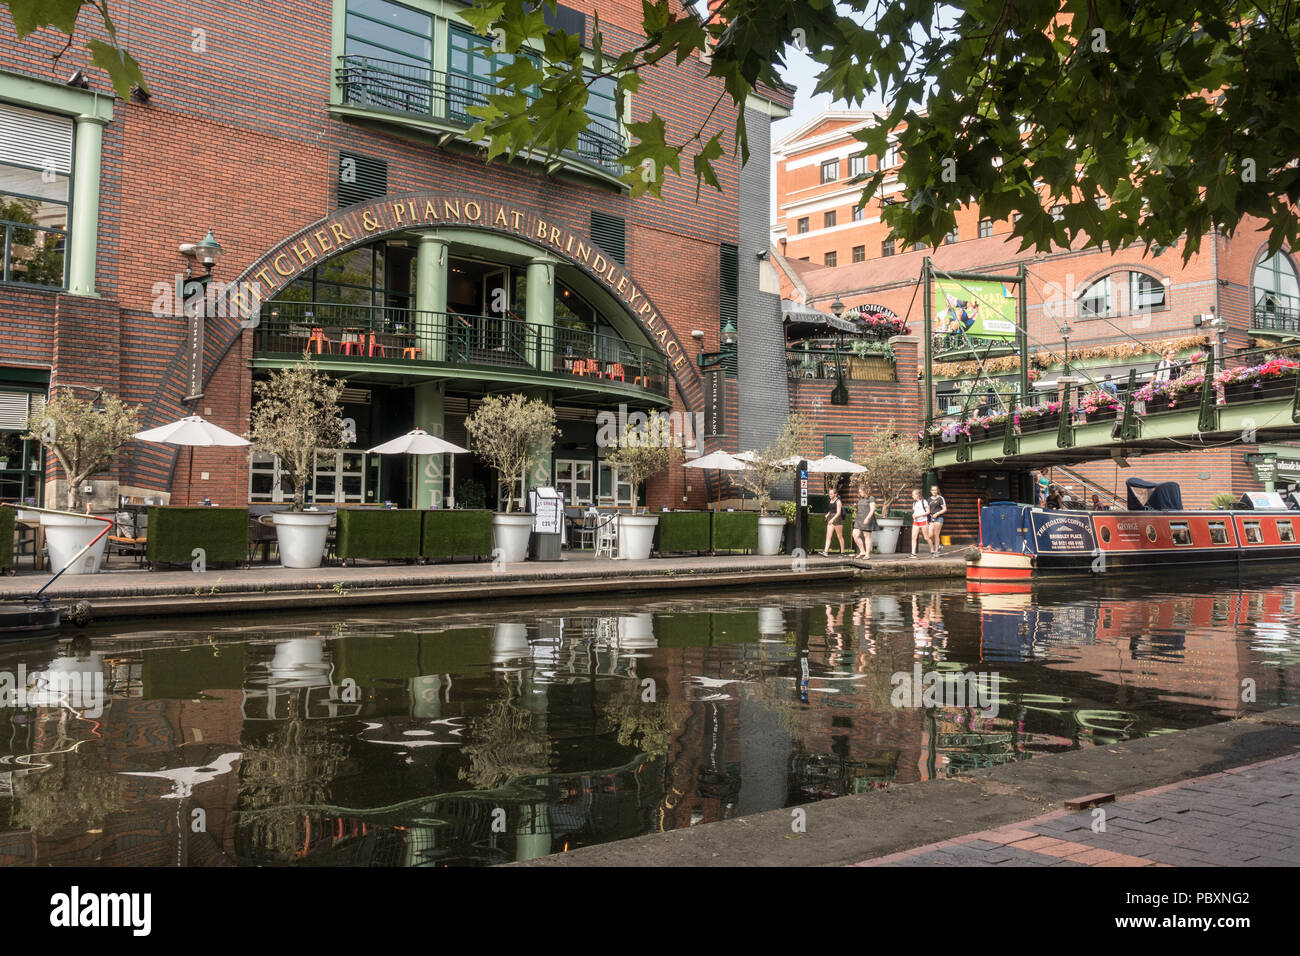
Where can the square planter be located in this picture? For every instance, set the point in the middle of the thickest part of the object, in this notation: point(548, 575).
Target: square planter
point(1281, 387)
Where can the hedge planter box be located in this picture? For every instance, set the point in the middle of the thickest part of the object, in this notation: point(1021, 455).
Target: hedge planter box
point(1281, 387)
point(301, 536)
point(636, 536)
point(449, 534)
point(510, 534)
point(7, 517)
point(735, 530)
point(684, 531)
point(65, 535)
point(378, 534)
point(174, 534)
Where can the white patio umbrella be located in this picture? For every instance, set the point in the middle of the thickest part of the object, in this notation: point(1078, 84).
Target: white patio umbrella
point(750, 457)
point(717, 461)
point(419, 442)
point(192, 432)
point(834, 465)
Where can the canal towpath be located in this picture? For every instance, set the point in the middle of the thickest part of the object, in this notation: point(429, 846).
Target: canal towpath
point(1224, 794)
point(128, 591)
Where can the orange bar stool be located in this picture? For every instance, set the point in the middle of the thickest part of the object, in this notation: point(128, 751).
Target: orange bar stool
point(411, 352)
point(615, 371)
point(318, 342)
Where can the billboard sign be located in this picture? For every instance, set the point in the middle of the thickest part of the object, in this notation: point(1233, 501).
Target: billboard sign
point(984, 310)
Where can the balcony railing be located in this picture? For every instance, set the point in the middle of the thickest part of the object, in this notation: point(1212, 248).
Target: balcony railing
point(394, 87)
point(826, 364)
point(1277, 312)
point(406, 337)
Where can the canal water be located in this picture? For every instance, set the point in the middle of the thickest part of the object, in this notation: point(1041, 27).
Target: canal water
point(489, 733)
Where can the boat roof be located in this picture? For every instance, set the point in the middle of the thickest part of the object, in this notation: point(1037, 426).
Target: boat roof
point(1146, 495)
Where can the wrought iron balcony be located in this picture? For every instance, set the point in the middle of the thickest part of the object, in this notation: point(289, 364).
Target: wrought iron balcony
point(1277, 312)
point(394, 87)
point(406, 338)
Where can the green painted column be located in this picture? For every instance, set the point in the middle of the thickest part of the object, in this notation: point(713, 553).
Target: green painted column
point(83, 245)
point(539, 468)
point(429, 468)
point(539, 309)
point(431, 296)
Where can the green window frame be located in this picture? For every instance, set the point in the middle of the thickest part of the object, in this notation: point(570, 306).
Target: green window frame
point(840, 445)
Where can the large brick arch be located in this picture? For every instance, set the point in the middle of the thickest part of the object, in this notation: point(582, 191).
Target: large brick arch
point(365, 222)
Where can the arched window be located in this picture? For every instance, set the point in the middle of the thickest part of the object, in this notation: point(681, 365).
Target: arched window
point(1121, 293)
point(1276, 287)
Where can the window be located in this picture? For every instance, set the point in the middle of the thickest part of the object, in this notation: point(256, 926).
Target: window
point(398, 38)
point(951, 237)
point(1145, 292)
point(918, 247)
point(841, 446)
point(1285, 532)
point(1181, 534)
point(986, 228)
point(859, 253)
point(887, 247)
point(470, 65)
point(1058, 212)
point(573, 479)
point(890, 159)
point(828, 219)
point(1016, 217)
point(1218, 532)
point(859, 214)
point(340, 478)
point(831, 259)
point(1103, 202)
point(35, 179)
point(802, 225)
point(1095, 300)
point(830, 170)
point(1276, 286)
point(1253, 534)
point(858, 166)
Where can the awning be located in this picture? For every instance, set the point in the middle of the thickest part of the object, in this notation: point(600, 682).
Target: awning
point(797, 314)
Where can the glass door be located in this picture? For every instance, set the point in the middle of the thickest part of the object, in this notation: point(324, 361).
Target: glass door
point(573, 479)
point(614, 491)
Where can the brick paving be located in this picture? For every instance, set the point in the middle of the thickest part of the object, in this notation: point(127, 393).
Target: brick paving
point(1247, 816)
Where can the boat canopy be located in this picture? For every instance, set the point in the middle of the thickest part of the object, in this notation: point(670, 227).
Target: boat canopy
point(1146, 495)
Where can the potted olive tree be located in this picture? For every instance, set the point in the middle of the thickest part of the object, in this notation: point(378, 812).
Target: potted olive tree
point(644, 450)
point(83, 437)
point(508, 432)
point(894, 464)
point(296, 412)
point(765, 468)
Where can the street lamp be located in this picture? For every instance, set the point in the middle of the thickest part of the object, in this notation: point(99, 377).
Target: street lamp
point(206, 252)
point(729, 335)
point(1065, 378)
point(1220, 326)
point(840, 394)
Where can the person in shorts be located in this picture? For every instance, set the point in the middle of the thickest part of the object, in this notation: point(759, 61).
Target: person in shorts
point(834, 523)
point(936, 508)
point(864, 525)
point(920, 518)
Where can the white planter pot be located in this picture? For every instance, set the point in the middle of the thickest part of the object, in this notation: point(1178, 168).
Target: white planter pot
point(510, 534)
point(636, 536)
point(302, 535)
point(886, 538)
point(771, 531)
point(65, 535)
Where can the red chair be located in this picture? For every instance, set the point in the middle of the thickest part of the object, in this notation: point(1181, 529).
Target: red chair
point(374, 345)
point(354, 343)
point(615, 371)
point(319, 342)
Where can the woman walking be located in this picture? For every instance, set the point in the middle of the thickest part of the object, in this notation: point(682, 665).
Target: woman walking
point(864, 525)
point(920, 518)
point(834, 523)
point(936, 508)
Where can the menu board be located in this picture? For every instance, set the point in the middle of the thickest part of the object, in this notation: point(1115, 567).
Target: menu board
point(547, 506)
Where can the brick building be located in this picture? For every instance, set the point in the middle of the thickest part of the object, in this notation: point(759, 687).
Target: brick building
point(1122, 308)
point(323, 145)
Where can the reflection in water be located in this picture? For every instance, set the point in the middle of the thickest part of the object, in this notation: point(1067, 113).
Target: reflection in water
point(458, 739)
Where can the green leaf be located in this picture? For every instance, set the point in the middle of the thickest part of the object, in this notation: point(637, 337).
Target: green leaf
point(122, 69)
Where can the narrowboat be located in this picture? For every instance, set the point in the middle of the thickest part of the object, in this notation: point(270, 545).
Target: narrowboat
point(1019, 542)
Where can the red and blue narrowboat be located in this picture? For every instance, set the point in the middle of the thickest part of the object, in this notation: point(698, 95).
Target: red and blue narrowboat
point(1019, 543)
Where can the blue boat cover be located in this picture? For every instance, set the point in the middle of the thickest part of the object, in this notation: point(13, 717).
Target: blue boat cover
point(1000, 526)
point(1165, 495)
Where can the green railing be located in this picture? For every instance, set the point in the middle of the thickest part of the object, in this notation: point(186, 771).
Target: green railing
point(395, 87)
point(400, 336)
point(820, 363)
point(1277, 313)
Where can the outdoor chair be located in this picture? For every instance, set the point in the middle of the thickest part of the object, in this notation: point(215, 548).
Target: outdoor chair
point(607, 535)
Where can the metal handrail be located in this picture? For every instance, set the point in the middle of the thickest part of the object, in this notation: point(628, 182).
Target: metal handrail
point(384, 334)
point(397, 87)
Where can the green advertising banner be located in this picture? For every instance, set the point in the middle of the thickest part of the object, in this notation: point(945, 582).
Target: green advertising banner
point(984, 310)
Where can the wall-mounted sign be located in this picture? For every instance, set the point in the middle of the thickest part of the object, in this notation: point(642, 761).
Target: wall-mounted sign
point(984, 310)
point(1054, 534)
point(715, 403)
